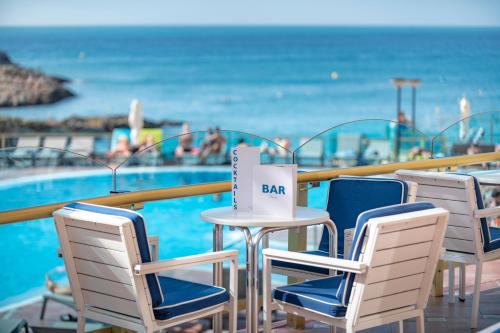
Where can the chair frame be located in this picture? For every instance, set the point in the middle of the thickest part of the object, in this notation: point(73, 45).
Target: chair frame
point(146, 321)
point(353, 321)
point(474, 216)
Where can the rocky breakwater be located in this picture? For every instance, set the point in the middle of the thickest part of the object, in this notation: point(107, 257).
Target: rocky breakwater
point(21, 86)
point(75, 124)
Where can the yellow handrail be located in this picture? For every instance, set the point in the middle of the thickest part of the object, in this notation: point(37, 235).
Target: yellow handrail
point(26, 214)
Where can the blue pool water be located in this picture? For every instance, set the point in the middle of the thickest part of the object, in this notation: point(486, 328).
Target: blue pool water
point(28, 249)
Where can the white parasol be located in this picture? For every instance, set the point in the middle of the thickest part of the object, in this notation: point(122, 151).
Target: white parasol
point(135, 121)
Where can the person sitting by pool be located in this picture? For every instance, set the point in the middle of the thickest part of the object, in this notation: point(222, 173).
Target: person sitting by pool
point(122, 148)
point(280, 147)
point(242, 143)
point(213, 144)
point(149, 141)
point(185, 142)
point(209, 139)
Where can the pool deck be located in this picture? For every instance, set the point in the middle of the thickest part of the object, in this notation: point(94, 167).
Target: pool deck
point(440, 315)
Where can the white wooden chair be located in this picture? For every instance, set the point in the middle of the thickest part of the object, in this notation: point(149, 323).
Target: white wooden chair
point(387, 278)
point(347, 198)
point(468, 238)
point(113, 275)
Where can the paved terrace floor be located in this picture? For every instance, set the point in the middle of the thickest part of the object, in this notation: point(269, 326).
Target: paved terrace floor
point(440, 316)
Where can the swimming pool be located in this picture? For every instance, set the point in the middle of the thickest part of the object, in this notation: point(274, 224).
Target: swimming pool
point(29, 249)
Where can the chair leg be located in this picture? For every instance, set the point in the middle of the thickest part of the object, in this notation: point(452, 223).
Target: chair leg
point(81, 324)
point(451, 282)
point(477, 294)
point(400, 327)
point(332, 329)
point(420, 323)
point(350, 329)
point(233, 320)
point(44, 307)
point(461, 283)
point(267, 296)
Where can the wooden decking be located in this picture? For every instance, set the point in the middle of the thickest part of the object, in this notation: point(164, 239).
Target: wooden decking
point(440, 315)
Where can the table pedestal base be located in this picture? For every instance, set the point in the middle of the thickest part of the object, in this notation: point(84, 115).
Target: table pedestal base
point(252, 268)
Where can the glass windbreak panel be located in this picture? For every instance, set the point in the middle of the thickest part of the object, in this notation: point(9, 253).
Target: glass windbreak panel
point(192, 235)
point(189, 158)
point(479, 133)
point(29, 249)
point(363, 142)
point(32, 176)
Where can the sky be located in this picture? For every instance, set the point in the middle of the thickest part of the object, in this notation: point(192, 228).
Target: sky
point(250, 12)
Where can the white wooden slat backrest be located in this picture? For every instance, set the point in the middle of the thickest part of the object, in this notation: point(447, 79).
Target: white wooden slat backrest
point(99, 253)
point(456, 194)
point(401, 252)
point(412, 191)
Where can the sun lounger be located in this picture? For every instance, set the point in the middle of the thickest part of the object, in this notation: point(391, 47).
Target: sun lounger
point(387, 278)
point(52, 150)
point(378, 151)
point(25, 151)
point(83, 145)
point(469, 239)
point(114, 275)
point(310, 152)
point(151, 156)
point(348, 148)
point(79, 148)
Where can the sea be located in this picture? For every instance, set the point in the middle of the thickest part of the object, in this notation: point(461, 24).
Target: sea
point(270, 81)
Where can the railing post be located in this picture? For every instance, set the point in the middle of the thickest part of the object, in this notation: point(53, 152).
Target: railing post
point(297, 241)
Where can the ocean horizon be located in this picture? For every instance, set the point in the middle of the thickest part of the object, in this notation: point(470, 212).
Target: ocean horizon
point(268, 80)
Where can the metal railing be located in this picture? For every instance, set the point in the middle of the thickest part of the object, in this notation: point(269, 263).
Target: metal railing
point(122, 199)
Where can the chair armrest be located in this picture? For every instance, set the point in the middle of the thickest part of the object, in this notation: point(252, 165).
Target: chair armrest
point(183, 262)
point(487, 212)
point(314, 260)
point(155, 247)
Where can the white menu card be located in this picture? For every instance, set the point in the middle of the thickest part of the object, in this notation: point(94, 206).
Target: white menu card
point(275, 190)
point(243, 160)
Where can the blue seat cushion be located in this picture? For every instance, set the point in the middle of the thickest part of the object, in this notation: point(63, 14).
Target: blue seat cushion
point(316, 295)
point(345, 287)
point(299, 267)
point(182, 297)
point(141, 236)
point(494, 242)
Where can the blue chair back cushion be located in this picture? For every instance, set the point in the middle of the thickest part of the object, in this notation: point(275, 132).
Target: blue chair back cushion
point(345, 287)
point(490, 240)
point(142, 241)
point(348, 197)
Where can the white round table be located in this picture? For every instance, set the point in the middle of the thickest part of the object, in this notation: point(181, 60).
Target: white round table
point(227, 216)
